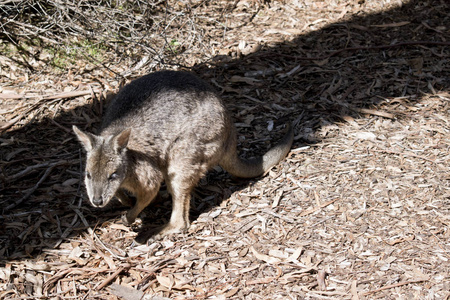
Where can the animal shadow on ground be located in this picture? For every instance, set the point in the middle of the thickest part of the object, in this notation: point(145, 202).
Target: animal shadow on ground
point(336, 73)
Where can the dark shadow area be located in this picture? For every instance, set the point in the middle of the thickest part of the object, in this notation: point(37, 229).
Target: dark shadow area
point(378, 64)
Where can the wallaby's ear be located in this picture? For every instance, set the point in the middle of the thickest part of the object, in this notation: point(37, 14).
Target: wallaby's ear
point(86, 139)
point(121, 139)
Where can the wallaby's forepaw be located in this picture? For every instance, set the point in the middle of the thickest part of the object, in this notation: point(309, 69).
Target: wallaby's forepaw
point(128, 220)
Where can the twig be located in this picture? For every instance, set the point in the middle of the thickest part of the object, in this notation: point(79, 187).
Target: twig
point(33, 31)
point(53, 279)
point(143, 284)
point(62, 95)
point(92, 233)
point(375, 112)
point(401, 153)
point(27, 213)
point(321, 274)
point(26, 171)
point(105, 282)
point(394, 286)
point(313, 210)
point(33, 189)
point(10, 123)
point(60, 126)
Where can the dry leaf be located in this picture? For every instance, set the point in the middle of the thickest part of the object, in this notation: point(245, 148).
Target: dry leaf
point(166, 281)
point(268, 259)
point(296, 254)
point(71, 181)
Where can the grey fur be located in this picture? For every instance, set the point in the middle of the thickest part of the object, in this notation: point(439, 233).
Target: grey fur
point(166, 126)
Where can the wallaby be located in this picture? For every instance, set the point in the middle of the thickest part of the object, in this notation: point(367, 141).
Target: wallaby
point(166, 126)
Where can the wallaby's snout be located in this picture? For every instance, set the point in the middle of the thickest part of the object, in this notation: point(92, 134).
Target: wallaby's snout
point(100, 192)
point(95, 193)
point(97, 202)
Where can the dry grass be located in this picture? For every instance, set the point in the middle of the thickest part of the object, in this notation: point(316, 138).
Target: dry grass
point(360, 209)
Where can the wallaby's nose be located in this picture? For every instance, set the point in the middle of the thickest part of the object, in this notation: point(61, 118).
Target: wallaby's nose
point(97, 201)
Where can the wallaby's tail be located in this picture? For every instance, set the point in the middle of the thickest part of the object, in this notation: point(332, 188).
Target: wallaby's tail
point(257, 166)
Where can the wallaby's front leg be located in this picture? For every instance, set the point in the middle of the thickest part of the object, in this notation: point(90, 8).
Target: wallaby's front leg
point(123, 197)
point(143, 199)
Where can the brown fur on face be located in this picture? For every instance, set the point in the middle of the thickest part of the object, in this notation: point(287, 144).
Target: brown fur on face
point(167, 126)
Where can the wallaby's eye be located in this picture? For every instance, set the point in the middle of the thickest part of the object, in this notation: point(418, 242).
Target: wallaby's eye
point(88, 175)
point(113, 176)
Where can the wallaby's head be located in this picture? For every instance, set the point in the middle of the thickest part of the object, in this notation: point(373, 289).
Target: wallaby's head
point(106, 164)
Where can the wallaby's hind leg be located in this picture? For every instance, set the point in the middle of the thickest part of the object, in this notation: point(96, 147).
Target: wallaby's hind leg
point(180, 183)
point(181, 199)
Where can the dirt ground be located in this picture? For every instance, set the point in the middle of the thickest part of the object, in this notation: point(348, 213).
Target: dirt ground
point(360, 208)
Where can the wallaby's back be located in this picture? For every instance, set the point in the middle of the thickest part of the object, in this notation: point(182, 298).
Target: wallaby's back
point(167, 108)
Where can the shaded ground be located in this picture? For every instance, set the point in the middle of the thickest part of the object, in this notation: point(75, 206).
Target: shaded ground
point(358, 210)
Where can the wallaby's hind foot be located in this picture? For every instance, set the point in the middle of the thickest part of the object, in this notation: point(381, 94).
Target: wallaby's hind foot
point(170, 228)
point(156, 233)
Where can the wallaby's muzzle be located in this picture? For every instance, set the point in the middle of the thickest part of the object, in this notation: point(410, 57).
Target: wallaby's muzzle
point(97, 202)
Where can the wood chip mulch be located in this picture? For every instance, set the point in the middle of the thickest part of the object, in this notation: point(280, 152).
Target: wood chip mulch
point(360, 208)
